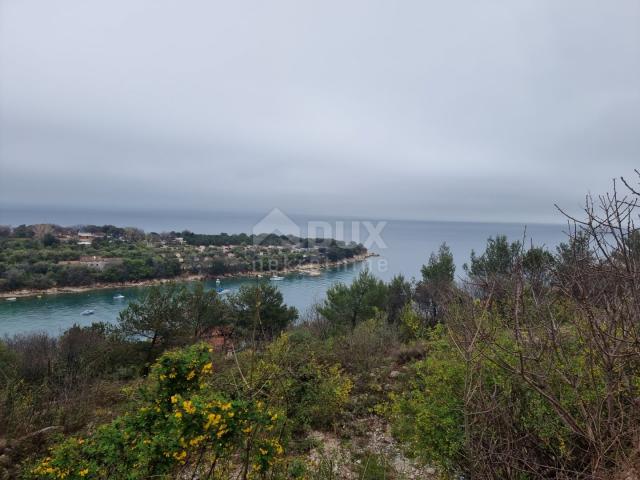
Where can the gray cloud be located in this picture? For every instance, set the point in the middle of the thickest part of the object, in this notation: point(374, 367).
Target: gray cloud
point(456, 110)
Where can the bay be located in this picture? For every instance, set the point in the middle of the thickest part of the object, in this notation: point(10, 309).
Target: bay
point(403, 246)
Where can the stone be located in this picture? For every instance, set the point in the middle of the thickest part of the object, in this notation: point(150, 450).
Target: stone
point(394, 374)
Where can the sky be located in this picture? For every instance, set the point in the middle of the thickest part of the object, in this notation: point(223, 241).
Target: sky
point(458, 110)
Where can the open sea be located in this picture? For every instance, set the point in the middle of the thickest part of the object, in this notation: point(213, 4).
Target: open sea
point(403, 247)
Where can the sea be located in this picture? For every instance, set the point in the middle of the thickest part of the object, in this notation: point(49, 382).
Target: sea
point(402, 246)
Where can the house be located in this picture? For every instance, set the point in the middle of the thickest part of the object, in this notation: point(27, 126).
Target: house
point(220, 338)
point(94, 262)
point(86, 238)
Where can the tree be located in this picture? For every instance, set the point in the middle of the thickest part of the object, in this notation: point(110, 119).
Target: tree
point(349, 305)
point(536, 267)
point(441, 268)
point(22, 231)
point(203, 309)
point(40, 230)
point(158, 317)
point(437, 282)
point(49, 240)
point(491, 272)
point(399, 295)
point(259, 309)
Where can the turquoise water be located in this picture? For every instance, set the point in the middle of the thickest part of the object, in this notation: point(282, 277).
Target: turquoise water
point(55, 313)
point(407, 246)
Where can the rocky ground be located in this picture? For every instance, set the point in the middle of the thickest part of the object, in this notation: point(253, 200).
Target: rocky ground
point(371, 452)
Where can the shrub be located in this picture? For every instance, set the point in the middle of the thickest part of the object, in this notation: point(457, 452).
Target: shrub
point(179, 425)
point(429, 414)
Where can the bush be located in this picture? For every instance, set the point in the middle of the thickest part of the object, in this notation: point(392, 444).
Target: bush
point(177, 426)
point(429, 414)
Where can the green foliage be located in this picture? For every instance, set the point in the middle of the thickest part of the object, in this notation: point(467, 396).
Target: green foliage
point(499, 258)
point(429, 414)
point(399, 295)
point(178, 424)
point(259, 311)
point(157, 317)
point(441, 269)
point(290, 377)
point(372, 466)
point(412, 325)
point(346, 306)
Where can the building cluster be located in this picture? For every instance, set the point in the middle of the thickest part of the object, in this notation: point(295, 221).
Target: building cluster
point(93, 261)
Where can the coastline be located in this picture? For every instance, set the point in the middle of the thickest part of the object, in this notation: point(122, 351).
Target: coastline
point(306, 268)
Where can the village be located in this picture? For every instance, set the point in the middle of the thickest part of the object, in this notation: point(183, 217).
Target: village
point(41, 257)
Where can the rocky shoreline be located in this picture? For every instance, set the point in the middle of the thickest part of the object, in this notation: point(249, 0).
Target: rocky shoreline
point(310, 268)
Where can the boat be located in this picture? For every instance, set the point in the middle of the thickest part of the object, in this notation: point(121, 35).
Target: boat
point(118, 297)
point(276, 278)
point(219, 289)
point(11, 299)
point(88, 312)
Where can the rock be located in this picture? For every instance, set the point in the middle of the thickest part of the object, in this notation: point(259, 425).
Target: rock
point(394, 374)
point(430, 471)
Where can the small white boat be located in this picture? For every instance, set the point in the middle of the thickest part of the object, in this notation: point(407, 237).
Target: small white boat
point(276, 278)
point(118, 297)
point(11, 299)
point(88, 312)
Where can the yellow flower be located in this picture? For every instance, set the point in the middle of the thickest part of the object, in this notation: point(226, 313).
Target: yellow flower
point(180, 456)
point(175, 398)
point(207, 368)
point(178, 414)
point(213, 419)
point(191, 374)
point(195, 441)
point(82, 473)
point(188, 407)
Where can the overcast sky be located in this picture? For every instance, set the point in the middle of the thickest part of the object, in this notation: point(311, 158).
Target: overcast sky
point(454, 110)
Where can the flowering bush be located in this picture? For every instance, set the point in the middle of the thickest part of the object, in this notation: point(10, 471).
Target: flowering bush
point(180, 426)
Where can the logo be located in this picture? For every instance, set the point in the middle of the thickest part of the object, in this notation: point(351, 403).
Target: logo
point(276, 222)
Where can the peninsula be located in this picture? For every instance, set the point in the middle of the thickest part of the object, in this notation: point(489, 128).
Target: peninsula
point(47, 258)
